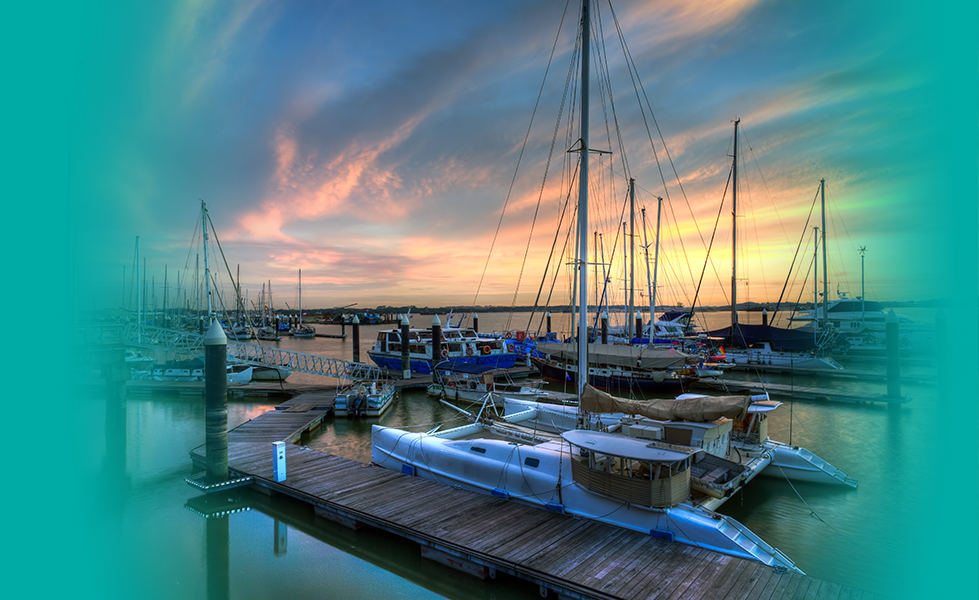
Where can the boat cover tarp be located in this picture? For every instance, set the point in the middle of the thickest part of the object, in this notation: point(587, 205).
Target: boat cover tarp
point(453, 366)
point(620, 355)
point(703, 409)
point(791, 340)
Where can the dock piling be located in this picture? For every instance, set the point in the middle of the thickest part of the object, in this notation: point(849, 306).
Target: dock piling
point(436, 346)
point(893, 355)
point(356, 338)
point(405, 349)
point(216, 403)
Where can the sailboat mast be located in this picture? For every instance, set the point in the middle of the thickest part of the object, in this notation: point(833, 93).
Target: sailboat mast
point(300, 298)
point(652, 294)
point(207, 269)
point(825, 321)
point(139, 298)
point(583, 203)
point(632, 255)
point(734, 235)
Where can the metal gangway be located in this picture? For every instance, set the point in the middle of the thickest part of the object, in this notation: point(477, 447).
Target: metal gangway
point(186, 342)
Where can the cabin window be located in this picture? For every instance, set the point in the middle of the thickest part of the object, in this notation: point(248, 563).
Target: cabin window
point(455, 347)
point(394, 347)
point(532, 462)
point(417, 349)
point(381, 337)
point(478, 449)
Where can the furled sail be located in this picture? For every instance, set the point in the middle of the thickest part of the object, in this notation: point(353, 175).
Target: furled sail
point(621, 356)
point(702, 409)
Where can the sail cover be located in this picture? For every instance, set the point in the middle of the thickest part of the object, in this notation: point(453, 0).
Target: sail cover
point(620, 355)
point(702, 409)
point(790, 340)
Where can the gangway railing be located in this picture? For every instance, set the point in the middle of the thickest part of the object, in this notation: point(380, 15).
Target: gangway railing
point(171, 340)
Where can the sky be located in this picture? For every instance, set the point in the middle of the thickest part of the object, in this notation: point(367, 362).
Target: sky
point(373, 144)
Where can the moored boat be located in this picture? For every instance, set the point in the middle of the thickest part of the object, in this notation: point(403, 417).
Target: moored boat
point(458, 345)
point(364, 400)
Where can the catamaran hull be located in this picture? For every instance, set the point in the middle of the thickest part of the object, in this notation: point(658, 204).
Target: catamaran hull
point(798, 464)
point(528, 474)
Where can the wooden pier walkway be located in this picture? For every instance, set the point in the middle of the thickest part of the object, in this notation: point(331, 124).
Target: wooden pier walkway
point(483, 535)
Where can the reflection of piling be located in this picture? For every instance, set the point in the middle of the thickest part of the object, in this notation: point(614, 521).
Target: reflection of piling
point(356, 340)
point(216, 403)
point(436, 346)
point(405, 349)
point(475, 322)
point(639, 326)
point(604, 328)
point(218, 587)
point(893, 355)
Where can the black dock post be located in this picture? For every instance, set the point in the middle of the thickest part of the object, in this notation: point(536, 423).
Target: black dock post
point(893, 355)
point(405, 349)
point(356, 340)
point(436, 346)
point(216, 403)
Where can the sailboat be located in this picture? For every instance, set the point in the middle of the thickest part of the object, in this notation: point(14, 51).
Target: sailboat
point(766, 344)
point(637, 484)
point(300, 330)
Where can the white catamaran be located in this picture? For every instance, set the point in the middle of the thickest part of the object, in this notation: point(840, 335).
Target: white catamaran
point(662, 478)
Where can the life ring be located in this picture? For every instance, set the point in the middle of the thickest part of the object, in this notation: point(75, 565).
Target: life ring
point(486, 349)
point(445, 353)
point(509, 348)
point(418, 337)
point(469, 350)
point(508, 335)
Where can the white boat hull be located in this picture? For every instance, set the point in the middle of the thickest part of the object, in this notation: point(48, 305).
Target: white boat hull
point(529, 474)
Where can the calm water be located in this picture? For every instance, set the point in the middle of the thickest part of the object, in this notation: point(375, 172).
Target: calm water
point(895, 523)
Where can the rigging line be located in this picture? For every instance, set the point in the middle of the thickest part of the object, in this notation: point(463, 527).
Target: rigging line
point(540, 195)
point(754, 226)
point(798, 248)
point(547, 267)
point(234, 284)
point(602, 57)
point(707, 260)
point(523, 147)
point(764, 182)
point(634, 74)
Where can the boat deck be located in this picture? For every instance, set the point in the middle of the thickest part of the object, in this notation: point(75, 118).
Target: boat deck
point(483, 535)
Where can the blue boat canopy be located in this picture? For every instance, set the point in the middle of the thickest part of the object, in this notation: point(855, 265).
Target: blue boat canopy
point(452, 366)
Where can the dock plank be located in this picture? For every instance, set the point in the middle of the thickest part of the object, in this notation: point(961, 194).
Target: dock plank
point(585, 557)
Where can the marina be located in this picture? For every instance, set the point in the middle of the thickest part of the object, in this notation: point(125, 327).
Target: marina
point(484, 536)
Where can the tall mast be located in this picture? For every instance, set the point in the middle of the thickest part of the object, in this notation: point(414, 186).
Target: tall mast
point(815, 270)
point(652, 294)
point(300, 297)
point(825, 322)
point(632, 254)
point(734, 236)
point(583, 203)
point(863, 295)
point(139, 298)
point(207, 269)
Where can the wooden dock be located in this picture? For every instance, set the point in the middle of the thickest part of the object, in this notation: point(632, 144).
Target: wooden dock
point(483, 535)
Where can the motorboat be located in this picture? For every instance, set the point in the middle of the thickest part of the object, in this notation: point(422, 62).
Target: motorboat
point(459, 381)
point(364, 400)
point(457, 345)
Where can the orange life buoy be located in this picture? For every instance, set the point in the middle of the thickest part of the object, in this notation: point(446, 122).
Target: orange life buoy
point(469, 350)
point(486, 349)
point(508, 335)
point(418, 337)
point(445, 353)
point(510, 348)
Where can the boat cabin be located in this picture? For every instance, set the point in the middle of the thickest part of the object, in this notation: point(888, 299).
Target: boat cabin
point(642, 472)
